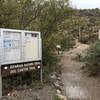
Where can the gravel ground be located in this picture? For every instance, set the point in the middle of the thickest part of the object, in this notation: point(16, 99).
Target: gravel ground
point(45, 93)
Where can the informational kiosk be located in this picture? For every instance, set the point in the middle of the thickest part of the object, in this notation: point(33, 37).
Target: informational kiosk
point(99, 35)
point(20, 51)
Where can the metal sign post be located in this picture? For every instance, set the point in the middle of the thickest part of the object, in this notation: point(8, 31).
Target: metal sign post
point(0, 83)
point(41, 70)
point(0, 71)
point(41, 76)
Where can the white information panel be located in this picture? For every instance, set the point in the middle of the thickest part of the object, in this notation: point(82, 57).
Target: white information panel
point(99, 35)
point(12, 47)
point(31, 46)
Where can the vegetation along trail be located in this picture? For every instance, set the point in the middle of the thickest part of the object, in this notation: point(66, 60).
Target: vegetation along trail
point(78, 86)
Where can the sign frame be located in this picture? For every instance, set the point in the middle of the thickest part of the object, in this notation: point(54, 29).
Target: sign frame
point(22, 61)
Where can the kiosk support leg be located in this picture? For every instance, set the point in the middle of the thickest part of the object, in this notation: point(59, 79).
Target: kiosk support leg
point(41, 74)
point(0, 84)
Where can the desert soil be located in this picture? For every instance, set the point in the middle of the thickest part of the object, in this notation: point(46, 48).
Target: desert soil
point(45, 93)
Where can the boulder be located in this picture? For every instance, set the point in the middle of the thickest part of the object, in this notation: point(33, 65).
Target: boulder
point(58, 91)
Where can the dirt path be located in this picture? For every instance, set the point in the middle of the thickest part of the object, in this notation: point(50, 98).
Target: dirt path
point(77, 85)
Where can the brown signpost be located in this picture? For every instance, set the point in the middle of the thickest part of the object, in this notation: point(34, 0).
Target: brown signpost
point(11, 69)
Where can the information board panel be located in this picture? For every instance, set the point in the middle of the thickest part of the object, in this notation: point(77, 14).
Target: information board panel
point(19, 46)
point(12, 46)
point(30, 46)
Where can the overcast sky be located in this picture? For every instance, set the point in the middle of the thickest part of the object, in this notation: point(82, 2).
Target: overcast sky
point(86, 4)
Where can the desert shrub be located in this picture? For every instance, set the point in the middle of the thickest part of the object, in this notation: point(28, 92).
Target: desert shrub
point(78, 57)
point(87, 39)
point(57, 98)
point(93, 38)
point(84, 39)
point(92, 59)
point(50, 60)
point(19, 80)
point(67, 42)
point(50, 57)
